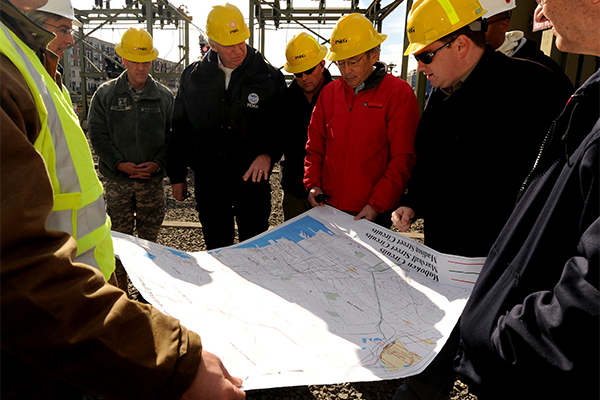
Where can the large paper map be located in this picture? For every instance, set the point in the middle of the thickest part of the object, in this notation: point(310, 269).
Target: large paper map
point(321, 299)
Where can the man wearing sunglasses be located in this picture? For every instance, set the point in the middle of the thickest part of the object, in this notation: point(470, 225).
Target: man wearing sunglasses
point(480, 131)
point(305, 59)
point(360, 148)
point(476, 143)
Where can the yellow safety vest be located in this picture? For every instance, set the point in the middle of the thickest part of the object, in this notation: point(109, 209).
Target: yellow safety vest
point(78, 194)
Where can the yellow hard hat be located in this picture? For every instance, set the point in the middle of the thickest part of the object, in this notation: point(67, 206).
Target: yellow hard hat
point(302, 53)
point(225, 25)
point(431, 20)
point(353, 34)
point(136, 45)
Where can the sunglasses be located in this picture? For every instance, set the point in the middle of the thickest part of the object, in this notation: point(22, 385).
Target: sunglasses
point(427, 58)
point(307, 72)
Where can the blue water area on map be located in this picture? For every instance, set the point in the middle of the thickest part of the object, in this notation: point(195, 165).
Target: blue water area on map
point(178, 253)
point(299, 230)
point(181, 254)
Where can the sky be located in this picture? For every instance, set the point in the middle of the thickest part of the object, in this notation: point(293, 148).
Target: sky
point(167, 40)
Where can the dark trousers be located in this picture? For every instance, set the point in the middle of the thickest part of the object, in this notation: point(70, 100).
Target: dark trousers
point(248, 202)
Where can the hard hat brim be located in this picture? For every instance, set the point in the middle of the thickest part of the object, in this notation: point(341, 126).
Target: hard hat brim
point(308, 65)
point(343, 55)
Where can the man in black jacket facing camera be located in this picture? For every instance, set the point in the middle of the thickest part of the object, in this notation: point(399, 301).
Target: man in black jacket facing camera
point(224, 128)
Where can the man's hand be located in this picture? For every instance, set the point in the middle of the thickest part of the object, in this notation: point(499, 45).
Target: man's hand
point(367, 213)
point(178, 190)
point(144, 170)
point(402, 218)
point(259, 169)
point(141, 171)
point(314, 192)
point(214, 382)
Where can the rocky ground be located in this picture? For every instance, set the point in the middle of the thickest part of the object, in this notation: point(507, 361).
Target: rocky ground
point(190, 239)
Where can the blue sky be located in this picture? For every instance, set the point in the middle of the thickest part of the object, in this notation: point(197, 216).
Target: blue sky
point(167, 40)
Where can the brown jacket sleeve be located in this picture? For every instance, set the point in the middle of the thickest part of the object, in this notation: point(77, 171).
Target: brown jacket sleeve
point(61, 323)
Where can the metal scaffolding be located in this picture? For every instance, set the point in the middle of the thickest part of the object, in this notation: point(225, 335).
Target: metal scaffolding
point(153, 12)
point(263, 15)
point(271, 14)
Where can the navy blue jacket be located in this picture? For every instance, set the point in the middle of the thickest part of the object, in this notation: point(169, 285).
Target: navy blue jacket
point(214, 128)
point(530, 329)
point(298, 114)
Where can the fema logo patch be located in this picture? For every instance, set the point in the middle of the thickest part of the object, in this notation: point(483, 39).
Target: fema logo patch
point(252, 101)
point(253, 98)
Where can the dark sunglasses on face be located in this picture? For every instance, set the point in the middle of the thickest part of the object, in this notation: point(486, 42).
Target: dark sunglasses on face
point(427, 58)
point(307, 72)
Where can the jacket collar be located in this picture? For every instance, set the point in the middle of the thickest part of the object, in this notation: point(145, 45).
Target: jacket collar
point(372, 81)
point(33, 35)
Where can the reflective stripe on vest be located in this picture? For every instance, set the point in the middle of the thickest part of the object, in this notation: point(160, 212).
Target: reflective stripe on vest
point(78, 195)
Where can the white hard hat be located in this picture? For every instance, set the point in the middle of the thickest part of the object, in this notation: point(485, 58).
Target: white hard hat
point(64, 8)
point(494, 7)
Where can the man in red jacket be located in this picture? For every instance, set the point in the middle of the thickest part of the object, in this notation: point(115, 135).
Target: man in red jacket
point(360, 149)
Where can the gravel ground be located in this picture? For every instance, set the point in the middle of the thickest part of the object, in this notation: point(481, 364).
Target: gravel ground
point(190, 239)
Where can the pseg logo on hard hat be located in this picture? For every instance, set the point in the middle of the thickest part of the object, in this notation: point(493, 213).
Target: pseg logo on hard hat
point(233, 26)
point(298, 57)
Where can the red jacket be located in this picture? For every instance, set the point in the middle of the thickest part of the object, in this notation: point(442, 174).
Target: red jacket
point(360, 148)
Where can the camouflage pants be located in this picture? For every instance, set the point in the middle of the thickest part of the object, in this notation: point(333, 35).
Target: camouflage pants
point(136, 204)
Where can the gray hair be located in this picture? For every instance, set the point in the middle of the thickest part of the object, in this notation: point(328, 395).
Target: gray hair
point(376, 49)
point(41, 17)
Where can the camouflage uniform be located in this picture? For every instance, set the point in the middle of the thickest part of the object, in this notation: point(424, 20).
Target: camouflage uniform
point(138, 204)
point(129, 125)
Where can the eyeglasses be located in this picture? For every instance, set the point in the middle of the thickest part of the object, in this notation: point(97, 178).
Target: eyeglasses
point(349, 64)
point(63, 30)
point(307, 72)
point(427, 58)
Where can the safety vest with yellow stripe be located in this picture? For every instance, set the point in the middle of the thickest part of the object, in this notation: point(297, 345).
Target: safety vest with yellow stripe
point(78, 194)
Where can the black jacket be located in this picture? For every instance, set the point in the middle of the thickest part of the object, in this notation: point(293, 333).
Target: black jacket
point(530, 51)
point(298, 113)
point(531, 327)
point(475, 148)
point(214, 127)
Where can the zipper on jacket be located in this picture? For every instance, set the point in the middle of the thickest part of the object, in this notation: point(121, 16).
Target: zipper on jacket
point(548, 139)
